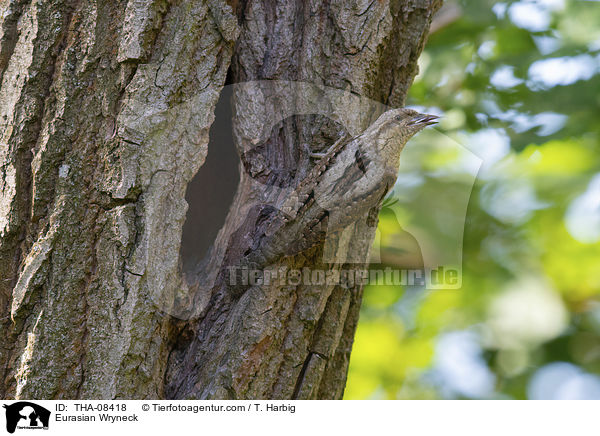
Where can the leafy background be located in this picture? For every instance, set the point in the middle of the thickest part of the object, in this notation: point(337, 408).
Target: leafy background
point(518, 85)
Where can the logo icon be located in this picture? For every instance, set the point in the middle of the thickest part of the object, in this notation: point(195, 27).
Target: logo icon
point(26, 415)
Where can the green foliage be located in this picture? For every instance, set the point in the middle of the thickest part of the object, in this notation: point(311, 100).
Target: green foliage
point(518, 85)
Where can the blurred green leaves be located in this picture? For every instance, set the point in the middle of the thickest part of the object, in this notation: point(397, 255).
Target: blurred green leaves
point(518, 85)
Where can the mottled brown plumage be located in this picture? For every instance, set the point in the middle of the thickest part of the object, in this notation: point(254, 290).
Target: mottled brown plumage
point(350, 179)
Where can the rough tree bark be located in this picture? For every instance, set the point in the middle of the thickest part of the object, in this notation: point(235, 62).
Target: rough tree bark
point(97, 149)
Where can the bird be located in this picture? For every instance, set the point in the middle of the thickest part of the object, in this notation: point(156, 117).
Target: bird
point(345, 183)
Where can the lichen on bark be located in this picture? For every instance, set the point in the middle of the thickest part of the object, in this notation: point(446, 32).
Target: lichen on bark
point(105, 110)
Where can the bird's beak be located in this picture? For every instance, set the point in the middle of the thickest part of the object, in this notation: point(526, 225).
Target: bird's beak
point(423, 120)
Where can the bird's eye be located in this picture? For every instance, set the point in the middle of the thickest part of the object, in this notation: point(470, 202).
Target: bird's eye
point(399, 117)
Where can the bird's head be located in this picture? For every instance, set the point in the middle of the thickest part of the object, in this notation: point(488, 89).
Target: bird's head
point(394, 128)
point(408, 121)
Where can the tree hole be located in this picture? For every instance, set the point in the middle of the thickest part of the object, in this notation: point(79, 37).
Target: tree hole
point(210, 193)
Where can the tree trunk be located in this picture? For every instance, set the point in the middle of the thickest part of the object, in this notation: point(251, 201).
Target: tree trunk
point(105, 110)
